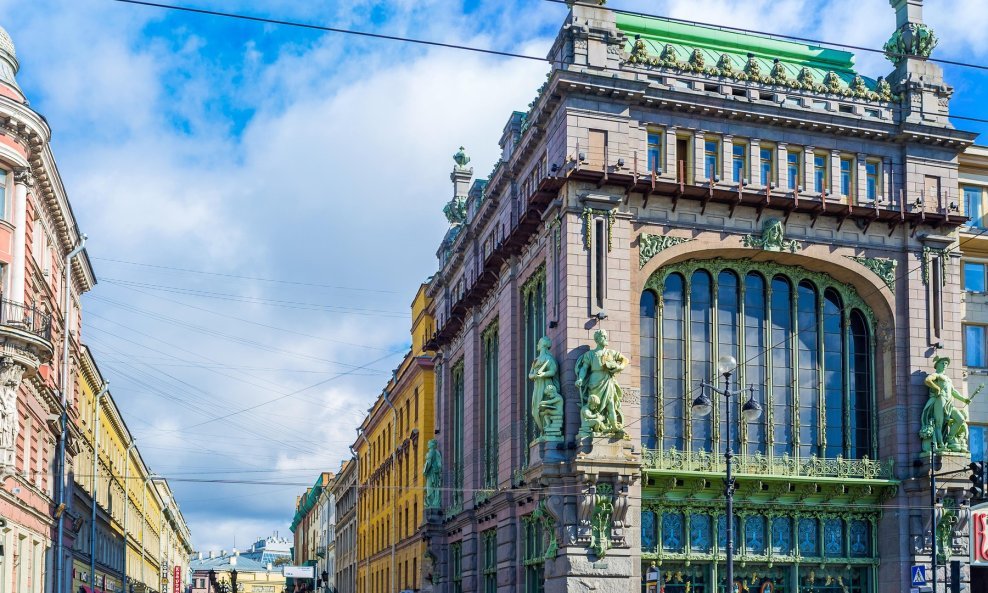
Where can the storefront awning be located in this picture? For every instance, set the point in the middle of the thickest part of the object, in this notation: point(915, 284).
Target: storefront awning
point(88, 589)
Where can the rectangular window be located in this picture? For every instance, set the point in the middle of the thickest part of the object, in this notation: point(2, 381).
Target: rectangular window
point(820, 176)
point(655, 151)
point(974, 346)
point(974, 277)
point(977, 444)
point(766, 158)
point(456, 567)
point(4, 177)
point(684, 160)
point(533, 300)
point(534, 556)
point(873, 181)
point(491, 344)
point(456, 496)
point(739, 164)
point(490, 561)
point(711, 159)
point(847, 184)
point(972, 206)
point(794, 169)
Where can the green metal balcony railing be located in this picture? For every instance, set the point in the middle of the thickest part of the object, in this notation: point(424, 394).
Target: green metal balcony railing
point(675, 461)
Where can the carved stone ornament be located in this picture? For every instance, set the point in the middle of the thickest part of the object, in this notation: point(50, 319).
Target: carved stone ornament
point(601, 517)
point(600, 393)
point(944, 423)
point(650, 245)
point(912, 39)
point(547, 521)
point(456, 211)
point(10, 381)
point(772, 239)
point(24, 176)
point(883, 267)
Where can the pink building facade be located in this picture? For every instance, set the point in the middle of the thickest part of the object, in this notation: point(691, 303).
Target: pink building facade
point(37, 232)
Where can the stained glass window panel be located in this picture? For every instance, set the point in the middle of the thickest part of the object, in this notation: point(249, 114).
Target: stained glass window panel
point(673, 362)
point(833, 538)
point(858, 538)
point(672, 532)
point(754, 535)
point(701, 336)
point(648, 362)
point(809, 539)
point(782, 535)
point(722, 532)
point(648, 531)
point(700, 533)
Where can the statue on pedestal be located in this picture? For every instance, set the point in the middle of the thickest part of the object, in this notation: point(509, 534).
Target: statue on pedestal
point(433, 473)
point(547, 402)
point(944, 424)
point(600, 394)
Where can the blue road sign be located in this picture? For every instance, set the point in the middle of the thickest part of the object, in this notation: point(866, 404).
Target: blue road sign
point(918, 578)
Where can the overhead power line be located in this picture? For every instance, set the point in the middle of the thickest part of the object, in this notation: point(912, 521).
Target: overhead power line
point(240, 276)
point(508, 54)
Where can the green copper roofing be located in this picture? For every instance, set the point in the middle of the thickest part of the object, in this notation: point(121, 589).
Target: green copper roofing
point(657, 42)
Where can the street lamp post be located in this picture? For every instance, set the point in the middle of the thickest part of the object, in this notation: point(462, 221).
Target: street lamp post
point(750, 411)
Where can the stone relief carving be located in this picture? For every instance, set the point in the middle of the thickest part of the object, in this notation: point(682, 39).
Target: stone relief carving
point(883, 267)
point(912, 39)
point(650, 245)
point(601, 520)
point(772, 238)
point(10, 380)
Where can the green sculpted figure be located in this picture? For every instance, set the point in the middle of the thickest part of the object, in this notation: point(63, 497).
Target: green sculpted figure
point(600, 394)
point(772, 239)
point(544, 374)
point(551, 415)
point(433, 473)
point(943, 424)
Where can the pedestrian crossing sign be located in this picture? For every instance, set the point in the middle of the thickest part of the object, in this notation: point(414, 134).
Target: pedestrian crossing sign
point(918, 575)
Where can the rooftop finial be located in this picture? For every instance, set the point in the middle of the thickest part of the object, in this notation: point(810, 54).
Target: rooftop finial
point(462, 158)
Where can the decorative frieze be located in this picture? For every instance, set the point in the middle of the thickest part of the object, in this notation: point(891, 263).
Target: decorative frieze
point(588, 215)
point(772, 238)
point(650, 245)
point(883, 267)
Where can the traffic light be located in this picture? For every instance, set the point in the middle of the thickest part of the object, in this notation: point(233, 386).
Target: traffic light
point(977, 479)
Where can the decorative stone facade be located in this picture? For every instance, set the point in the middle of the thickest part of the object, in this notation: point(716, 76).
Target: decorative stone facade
point(689, 212)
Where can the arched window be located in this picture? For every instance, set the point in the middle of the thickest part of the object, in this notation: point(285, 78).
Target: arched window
point(803, 341)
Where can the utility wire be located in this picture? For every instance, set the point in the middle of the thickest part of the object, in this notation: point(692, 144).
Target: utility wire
point(240, 277)
point(498, 52)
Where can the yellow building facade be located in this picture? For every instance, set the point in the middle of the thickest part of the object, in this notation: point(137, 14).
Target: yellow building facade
point(391, 446)
point(136, 530)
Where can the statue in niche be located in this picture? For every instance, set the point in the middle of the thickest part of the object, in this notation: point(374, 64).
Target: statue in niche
point(10, 380)
point(944, 424)
point(433, 473)
point(544, 373)
point(600, 393)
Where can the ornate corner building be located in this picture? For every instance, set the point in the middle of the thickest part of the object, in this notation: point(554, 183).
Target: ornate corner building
point(37, 232)
point(697, 194)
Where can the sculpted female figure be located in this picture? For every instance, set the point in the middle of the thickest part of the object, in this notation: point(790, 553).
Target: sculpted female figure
point(544, 372)
point(596, 378)
point(433, 472)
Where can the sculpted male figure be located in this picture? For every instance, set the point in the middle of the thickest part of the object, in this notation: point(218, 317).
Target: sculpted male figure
point(943, 424)
point(600, 393)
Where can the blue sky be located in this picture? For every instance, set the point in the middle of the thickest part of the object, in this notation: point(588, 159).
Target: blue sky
point(318, 160)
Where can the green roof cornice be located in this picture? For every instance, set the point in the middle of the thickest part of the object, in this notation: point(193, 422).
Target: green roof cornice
point(738, 44)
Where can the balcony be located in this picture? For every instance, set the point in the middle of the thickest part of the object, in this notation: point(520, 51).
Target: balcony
point(26, 331)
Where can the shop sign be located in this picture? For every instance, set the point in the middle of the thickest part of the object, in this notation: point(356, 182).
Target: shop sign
point(300, 572)
point(979, 536)
point(177, 579)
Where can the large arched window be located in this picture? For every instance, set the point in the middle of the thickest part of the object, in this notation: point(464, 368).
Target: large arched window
point(803, 342)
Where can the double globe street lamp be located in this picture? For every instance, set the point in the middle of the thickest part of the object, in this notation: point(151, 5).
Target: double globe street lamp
point(750, 411)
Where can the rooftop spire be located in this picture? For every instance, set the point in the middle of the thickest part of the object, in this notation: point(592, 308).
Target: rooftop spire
point(8, 59)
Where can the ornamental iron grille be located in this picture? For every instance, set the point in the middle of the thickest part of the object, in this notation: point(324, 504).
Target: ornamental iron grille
point(805, 342)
